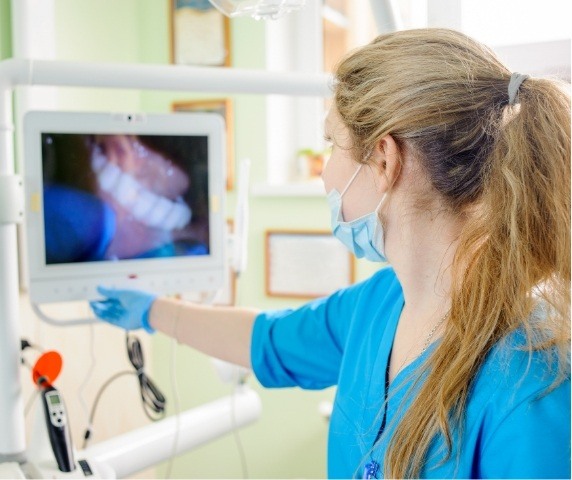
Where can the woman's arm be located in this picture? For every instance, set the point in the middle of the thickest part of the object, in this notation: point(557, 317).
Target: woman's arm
point(221, 332)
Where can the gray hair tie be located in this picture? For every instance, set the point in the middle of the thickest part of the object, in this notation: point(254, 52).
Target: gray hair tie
point(516, 80)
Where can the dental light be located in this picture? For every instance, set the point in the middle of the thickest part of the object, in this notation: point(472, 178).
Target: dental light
point(258, 9)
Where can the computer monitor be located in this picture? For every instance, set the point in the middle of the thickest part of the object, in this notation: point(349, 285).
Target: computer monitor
point(123, 200)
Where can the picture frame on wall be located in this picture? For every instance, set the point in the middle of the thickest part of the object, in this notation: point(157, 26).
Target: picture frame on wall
point(223, 107)
point(200, 34)
point(306, 264)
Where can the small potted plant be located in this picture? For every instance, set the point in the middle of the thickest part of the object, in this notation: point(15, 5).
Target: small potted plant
point(311, 162)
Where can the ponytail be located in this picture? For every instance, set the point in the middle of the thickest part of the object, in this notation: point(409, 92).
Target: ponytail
point(512, 262)
point(521, 240)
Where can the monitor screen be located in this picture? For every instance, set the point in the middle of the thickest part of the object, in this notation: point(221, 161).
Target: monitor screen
point(126, 200)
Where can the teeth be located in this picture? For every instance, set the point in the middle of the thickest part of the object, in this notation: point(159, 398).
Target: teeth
point(126, 190)
point(185, 215)
point(147, 207)
point(159, 212)
point(109, 176)
point(145, 203)
point(98, 160)
point(172, 220)
point(179, 216)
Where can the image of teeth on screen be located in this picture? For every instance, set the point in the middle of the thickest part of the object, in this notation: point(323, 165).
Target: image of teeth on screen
point(124, 196)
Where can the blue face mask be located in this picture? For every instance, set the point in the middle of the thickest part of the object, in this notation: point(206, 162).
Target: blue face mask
point(362, 236)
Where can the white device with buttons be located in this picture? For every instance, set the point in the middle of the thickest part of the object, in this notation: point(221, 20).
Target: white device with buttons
point(56, 409)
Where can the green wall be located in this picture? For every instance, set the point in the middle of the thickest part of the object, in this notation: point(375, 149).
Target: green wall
point(289, 440)
point(98, 31)
point(5, 30)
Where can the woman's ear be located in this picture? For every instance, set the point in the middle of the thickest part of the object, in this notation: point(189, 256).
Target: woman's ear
point(386, 156)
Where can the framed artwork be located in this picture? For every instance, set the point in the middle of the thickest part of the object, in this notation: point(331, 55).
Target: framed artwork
point(223, 107)
point(200, 34)
point(306, 264)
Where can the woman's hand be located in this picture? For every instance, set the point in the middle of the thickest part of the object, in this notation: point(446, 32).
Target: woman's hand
point(128, 309)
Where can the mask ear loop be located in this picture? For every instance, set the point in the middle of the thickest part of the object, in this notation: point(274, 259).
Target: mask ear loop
point(378, 208)
point(351, 180)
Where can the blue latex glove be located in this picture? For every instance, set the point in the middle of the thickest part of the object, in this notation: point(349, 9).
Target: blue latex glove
point(128, 309)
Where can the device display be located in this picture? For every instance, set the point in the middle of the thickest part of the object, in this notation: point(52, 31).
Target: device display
point(123, 200)
point(122, 196)
point(58, 428)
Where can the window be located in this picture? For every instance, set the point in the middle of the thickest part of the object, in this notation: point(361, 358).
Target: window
point(346, 24)
point(310, 41)
point(512, 22)
point(530, 36)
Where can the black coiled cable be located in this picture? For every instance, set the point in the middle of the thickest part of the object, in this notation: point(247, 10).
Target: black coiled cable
point(151, 396)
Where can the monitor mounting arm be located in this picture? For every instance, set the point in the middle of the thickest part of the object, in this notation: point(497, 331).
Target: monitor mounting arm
point(25, 72)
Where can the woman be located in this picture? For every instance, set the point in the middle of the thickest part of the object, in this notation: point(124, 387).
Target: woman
point(453, 361)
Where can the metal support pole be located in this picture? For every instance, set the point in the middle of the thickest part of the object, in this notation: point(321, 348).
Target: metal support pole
point(12, 438)
point(386, 16)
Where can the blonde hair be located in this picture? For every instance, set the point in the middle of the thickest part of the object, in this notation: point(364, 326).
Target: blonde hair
point(506, 168)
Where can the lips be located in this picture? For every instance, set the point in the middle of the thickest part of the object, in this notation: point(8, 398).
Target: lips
point(145, 206)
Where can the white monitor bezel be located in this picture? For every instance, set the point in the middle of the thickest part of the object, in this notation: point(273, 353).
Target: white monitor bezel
point(78, 281)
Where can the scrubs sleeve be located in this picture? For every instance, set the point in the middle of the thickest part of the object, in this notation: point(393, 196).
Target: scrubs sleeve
point(532, 440)
point(302, 347)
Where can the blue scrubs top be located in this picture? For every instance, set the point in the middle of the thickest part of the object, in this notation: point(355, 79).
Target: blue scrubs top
point(510, 430)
